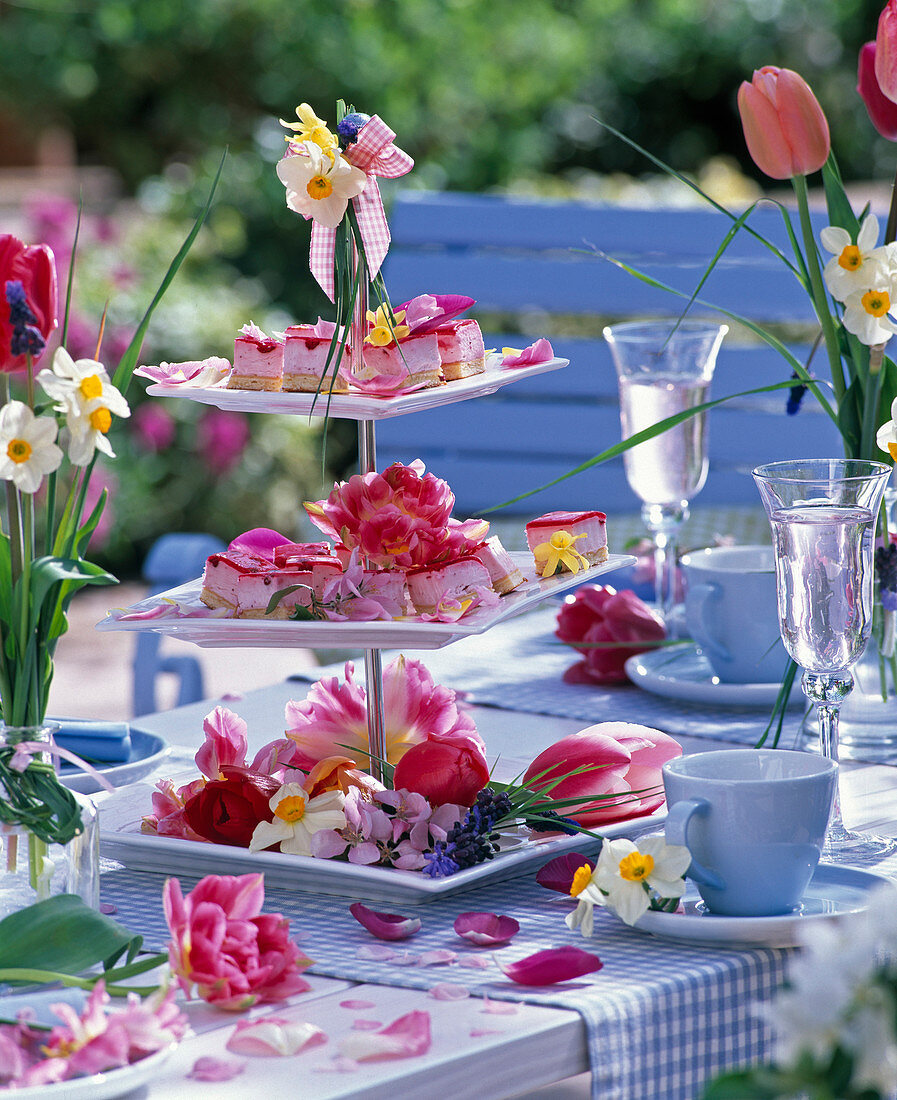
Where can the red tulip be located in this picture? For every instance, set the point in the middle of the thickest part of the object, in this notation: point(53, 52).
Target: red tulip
point(607, 627)
point(34, 266)
point(227, 810)
point(886, 51)
point(882, 111)
point(443, 771)
point(623, 761)
point(784, 126)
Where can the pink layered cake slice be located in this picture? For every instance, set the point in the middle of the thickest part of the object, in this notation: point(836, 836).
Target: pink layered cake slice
point(461, 349)
point(387, 586)
point(291, 552)
point(305, 362)
point(222, 574)
point(258, 361)
point(254, 592)
point(587, 530)
point(412, 362)
point(430, 585)
point(503, 573)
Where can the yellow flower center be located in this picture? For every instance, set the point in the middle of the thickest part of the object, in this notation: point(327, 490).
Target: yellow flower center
point(563, 540)
point(101, 420)
point(581, 880)
point(91, 387)
point(851, 258)
point(19, 450)
point(291, 809)
point(379, 336)
point(876, 302)
point(636, 867)
point(319, 187)
point(892, 449)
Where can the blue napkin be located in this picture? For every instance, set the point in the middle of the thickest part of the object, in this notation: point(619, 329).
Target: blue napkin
point(104, 742)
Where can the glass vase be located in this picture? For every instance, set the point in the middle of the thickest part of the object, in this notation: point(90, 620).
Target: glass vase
point(32, 867)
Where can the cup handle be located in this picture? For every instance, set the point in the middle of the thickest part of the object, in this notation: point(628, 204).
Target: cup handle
point(698, 596)
point(676, 830)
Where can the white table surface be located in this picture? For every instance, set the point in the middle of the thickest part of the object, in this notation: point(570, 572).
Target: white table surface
point(535, 1052)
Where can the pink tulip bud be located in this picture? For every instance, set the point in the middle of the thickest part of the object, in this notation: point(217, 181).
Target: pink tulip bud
point(882, 111)
point(886, 51)
point(443, 771)
point(784, 126)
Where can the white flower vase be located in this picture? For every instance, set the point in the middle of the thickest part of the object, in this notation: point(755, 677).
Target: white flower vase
point(31, 868)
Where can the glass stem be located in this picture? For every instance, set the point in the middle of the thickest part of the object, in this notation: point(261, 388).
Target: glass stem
point(827, 690)
point(827, 714)
point(664, 521)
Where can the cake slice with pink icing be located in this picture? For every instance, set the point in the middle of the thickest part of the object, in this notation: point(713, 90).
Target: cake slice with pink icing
point(567, 541)
point(258, 361)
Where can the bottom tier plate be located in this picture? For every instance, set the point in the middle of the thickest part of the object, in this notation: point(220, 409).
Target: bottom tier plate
point(121, 839)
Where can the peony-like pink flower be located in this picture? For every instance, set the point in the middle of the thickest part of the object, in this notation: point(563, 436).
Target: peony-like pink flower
point(621, 771)
point(221, 943)
point(333, 717)
point(607, 627)
point(398, 518)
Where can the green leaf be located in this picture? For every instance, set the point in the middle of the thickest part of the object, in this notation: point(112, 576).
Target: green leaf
point(840, 212)
point(62, 934)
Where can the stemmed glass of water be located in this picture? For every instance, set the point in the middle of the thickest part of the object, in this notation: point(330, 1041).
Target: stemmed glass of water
point(823, 513)
point(664, 368)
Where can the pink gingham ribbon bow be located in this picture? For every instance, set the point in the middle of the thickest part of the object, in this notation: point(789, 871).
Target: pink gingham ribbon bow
point(375, 154)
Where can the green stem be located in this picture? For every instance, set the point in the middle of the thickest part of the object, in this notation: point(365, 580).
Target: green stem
point(891, 227)
point(871, 399)
point(53, 977)
point(817, 287)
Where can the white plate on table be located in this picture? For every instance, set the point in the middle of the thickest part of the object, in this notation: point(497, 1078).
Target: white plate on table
point(411, 632)
point(148, 750)
point(357, 405)
point(100, 1086)
point(834, 893)
point(683, 672)
point(121, 839)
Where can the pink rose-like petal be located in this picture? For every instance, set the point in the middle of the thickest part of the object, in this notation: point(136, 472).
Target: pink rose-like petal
point(539, 352)
point(376, 952)
point(209, 1068)
point(407, 1037)
point(274, 1036)
point(448, 991)
point(438, 957)
point(475, 962)
point(555, 964)
point(358, 1006)
point(558, 873)
point(261, 541)
point(385, 926)
point(486, 929)
point(427, 312)
point(498, 1008)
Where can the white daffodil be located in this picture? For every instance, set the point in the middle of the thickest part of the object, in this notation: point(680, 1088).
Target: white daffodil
point(866, 315)
point(86, 395)
point(886, 436)
point(855, 267)
point(320, 183)
point(297, 818)
point(27, 448)
point(623, 872)
point(587, 896)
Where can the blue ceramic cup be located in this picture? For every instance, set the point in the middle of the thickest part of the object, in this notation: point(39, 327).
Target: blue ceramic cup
point(732, 614)
point(754, 821)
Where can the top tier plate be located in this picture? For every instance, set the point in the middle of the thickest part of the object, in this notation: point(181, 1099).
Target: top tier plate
point(357, 406)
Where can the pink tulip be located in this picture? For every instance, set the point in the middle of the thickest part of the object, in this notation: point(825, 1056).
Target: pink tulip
point(882, 111)
point(886, 51)
point(784, 126)
point(222, 943)
point(444, 771)
point(607, 627)
point(622, 762)
point(225, 742)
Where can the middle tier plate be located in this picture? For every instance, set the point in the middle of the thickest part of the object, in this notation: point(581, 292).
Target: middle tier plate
point(411, 633)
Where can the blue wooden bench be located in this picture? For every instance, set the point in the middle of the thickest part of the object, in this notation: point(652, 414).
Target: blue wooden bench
point(535, 260)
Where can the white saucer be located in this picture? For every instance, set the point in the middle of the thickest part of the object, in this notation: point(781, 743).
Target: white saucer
point(833, 893)
point(683, 672)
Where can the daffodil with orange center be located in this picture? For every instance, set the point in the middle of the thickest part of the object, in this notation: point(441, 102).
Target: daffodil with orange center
point(85, 393)
point(297, 818)
point(319, 182)
point(855, 265)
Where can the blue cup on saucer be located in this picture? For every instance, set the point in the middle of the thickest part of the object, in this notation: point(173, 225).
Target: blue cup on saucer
point(754, 821)
point(732, 614)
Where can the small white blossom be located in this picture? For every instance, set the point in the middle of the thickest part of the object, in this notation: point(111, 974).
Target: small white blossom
point(624, 870)
point(856, 267)
point(297, 818)
point(86, 395)
point(867, 314)
point(886, 436)
point(320, 183)
point(27, 448)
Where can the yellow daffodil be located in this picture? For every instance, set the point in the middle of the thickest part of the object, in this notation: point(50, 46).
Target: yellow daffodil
point(386, 327)
point(559, 551)
point(310, 128)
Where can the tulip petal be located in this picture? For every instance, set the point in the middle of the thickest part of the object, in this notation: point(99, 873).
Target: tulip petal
point(209, 1068)
point(486, 929)
point(358, 1006)
point(539, 352)
point(553, 965)
point(440, 956)
point(385, 926)
point(274, 1036)
point(448, 991)
point(406, 1037)
point(558, 873)
point(448, 305)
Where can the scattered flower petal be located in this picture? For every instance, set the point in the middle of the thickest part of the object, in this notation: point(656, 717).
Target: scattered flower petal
point(553, 965)
point(486, 929)
point(407, 958)
point(498, 1008)
point(407, 1037)
point(448, 991)
point(358, 1006)
point(558, 873)
point(479, 1032)
point(366, 1025)
point(539, 352)
point(385, 926)
point(209, 1068)
point(275, 1036)
point(375, 952)
point(475, 962)
point(107, 908)
point(437, 957)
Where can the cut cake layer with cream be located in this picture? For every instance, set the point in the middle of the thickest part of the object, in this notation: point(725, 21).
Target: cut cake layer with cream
point(258, 364)
point(429, 586)
point(591, 525)
point(461, 349)
point(305, 362)
point(222, 574)
point(503, 573)
point(413, 362)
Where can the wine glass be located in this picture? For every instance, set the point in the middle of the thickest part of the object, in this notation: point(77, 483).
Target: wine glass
point(823, 513)
point(664, 368)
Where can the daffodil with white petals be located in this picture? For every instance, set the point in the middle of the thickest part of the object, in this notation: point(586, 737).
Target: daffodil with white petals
point(631, 879)
point(28, 450)
point(297, 818)
point(85, 394)
point(856, 266)
point(886, 436)
point(319, 183)
point(867, 314)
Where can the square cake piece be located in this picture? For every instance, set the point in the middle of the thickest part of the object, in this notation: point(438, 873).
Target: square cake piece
point(412, 362)
point(305, 366)
point(588, 529)
point(258, 363)
point(461, 349)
